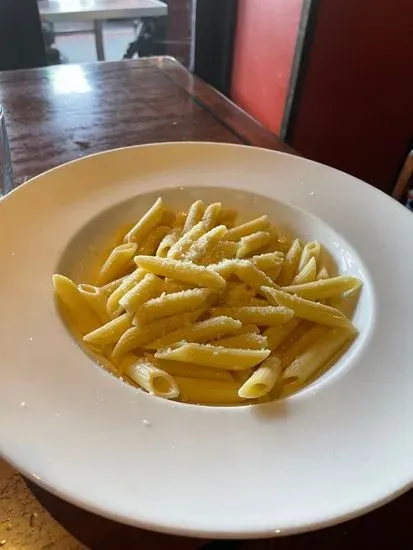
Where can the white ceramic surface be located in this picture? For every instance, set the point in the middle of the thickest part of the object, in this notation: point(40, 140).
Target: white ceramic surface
point(339, 448)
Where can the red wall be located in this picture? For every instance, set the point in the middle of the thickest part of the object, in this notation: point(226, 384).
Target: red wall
point(356, 107)
point(266, 35)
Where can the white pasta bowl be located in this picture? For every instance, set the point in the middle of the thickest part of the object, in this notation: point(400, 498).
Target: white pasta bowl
point(336, 449)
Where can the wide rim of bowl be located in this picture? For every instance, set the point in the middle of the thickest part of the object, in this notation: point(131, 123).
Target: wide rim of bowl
point(25, 465)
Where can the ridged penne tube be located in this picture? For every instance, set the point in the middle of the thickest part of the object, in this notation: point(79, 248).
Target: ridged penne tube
point(149, 287)
point(237, 294)
point(263, 379)
point(195, 214)
point(182, 245)
point(299, 345)
point(167, 242)
point(171, 285)
point(307, 274)
point(211, 214)
point(183, 271)
point(208, 392)
point(310, 361)
point(239, 231)
point(127, 283)
point(222, 251)
point(172, 304)
point(117, 263)
point(205, 244)
point(305, 309)
point(138, 336)
point(202, 331)
point(243, 341)
point(148, 221)
point(75, 304)
point(96, 299)
point(251, 275)
point(227, 217)
point(269, 261)
point(277, 334)
point(150, 378)
point(261, 316)
point(188, 370)
point(322, 274)
point(110, 332)
point(324, 288)
point(151, 242)
point(225, 268)
point(310, 250)
point(214, 356)
point(250, 244)
point(290, 265)
point(109, 288)
point(179, 220)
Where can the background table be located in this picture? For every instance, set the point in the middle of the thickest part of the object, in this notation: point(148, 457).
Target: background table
point(98, 11)
point(58, 114)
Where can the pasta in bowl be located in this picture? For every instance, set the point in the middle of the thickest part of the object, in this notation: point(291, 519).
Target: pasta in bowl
point(193, 306)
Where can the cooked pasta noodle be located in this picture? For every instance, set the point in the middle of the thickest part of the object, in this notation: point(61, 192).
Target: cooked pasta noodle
point(193, 306)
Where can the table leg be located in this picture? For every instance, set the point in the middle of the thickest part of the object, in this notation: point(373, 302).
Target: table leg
point(100, 50)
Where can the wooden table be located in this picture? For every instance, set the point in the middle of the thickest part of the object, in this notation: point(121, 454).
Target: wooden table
point(61, 113)
point(99, 11)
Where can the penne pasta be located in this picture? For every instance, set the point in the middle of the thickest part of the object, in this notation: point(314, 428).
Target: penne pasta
point(75, 304)
point(268, 262)
point(183, 244)
point(195, 214)
point(305, 309)
point(214, 356)
point(138, 336)
point(310, 250)
point(222, 251)
point(198, 332)
point(236, 233)
point(149, 287)
point(319, 352)
point(149, 220)
point(243, 341)
point(146, 375)
point(188, 370)
point(96, 299)
point(128, 282)
point(307, 274)
point(167, 242)
point(322, 274)
point(247, 272)
point(290, 265)
point(278, 333)
point(172, 304)
point(261, 316)
point(211, 214)
point(183, 271)
point(117, 263)
point(324, 288)
point(227, 217)
point(205, 244)
point(110, 332)
point(152, 241)
point(252, 243)
point(108, 288)
point(262, 381)
point(209, 392)
point(189, 306)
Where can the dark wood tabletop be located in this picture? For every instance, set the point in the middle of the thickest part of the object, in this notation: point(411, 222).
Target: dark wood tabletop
point(58, 114)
